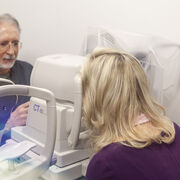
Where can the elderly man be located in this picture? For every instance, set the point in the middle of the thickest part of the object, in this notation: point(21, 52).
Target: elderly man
point(17, 71)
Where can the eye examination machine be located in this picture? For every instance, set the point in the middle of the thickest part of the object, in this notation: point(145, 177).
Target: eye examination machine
point(54, 143)
point(58, 74)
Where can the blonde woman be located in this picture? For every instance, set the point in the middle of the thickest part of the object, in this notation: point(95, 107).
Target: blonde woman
point(132, 137)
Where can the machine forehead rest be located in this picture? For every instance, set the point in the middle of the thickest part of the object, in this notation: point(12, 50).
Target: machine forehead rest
point(57, 73)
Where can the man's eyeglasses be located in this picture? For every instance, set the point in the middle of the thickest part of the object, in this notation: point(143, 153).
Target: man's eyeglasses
point(5, 45)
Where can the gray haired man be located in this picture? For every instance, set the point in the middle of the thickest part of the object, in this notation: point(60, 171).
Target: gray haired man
point(12, 112)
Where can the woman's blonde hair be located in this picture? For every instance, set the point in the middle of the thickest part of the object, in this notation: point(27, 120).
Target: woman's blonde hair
point(115, 92)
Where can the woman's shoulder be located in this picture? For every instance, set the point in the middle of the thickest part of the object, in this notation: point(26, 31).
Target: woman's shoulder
point(110, 150)
point(104, 162)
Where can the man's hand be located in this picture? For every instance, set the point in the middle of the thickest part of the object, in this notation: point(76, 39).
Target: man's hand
point(18, 117)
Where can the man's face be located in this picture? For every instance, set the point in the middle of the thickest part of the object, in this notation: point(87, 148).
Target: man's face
point(9, 38)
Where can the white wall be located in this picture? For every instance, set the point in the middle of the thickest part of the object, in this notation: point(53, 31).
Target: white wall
point(58, 26)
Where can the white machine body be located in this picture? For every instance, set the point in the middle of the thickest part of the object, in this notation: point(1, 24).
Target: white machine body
point(56, 73)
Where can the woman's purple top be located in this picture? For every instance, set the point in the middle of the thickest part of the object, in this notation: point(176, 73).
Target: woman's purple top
point(155, 162)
